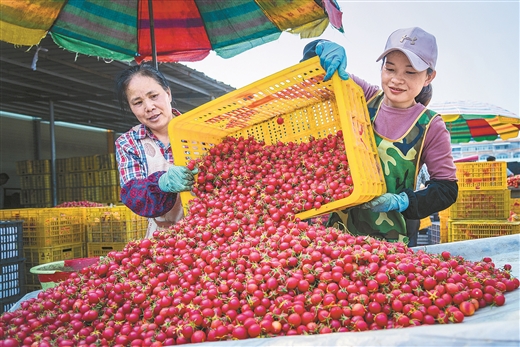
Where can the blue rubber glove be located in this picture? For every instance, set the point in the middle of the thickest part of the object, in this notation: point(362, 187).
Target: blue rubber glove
point(388, 202)
point(332, 58)
point(177, 179)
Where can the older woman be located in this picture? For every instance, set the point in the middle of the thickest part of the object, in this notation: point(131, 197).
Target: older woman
point(150, 183)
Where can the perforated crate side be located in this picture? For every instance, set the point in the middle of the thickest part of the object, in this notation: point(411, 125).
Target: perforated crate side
point(52, 236)
point(12, 279)
point(481, 204)
point(114, 224)
point(42, 255)
point(435, 233)
point(515, 206)
point(11, 242)
point(423, 238)
point(309, 107)
point(44, 217)
point(478, 229)
point(95, 249)
point(482, 175)
point(8, 303)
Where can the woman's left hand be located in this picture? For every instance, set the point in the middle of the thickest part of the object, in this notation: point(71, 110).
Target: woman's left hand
point(332, 58)
point(388, 202)
point(177, 179)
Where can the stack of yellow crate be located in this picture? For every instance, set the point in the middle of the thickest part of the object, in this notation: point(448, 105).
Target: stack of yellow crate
point(54, 234)
point(93, 178)
point(49, 234)
point(483, 204)
point(35, 182)
point(111, 228)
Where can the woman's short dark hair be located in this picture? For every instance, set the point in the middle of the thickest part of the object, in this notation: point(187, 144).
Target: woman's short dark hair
point(126, 76)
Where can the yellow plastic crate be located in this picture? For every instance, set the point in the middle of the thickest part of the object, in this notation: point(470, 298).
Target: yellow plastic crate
point(53, 236)
point(515, 206)
point(36, 198)
point(444, 217)
point(46, 227)
point(61, 165)
point(76, 164)
point(91, 163)
point(309, 107)
point(102, 249)
point(482, 175)
point(91, 179)
point(461, 230)
point(114, 224)
point(108, 177)
point(110, 194)
point(107, 161)
point(24, 167)
point(481, 204)
point(43, 255)
point(42, 166)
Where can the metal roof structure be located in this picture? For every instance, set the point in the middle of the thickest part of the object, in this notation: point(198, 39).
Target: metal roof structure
point(80, 89)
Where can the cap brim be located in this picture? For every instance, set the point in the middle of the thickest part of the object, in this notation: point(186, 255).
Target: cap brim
point(417, 63)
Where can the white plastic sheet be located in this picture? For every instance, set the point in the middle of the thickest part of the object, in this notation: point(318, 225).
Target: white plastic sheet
point(489, 326)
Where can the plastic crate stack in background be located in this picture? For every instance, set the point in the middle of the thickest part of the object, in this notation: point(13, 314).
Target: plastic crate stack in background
point(483, 204)
point(12, 269)
point(85, 178)
point(48, 234)
point(93, 178)
point(35, 182)
point(111, 228)
point(434, 233)
point(310, 109)
point(444, 217)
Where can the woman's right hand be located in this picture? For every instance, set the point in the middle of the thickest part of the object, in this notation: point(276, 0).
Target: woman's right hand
point(332, 58)
point(177, 179)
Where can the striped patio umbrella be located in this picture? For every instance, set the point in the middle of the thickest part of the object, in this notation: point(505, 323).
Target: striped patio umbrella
point(177, 30)
point(477, 121)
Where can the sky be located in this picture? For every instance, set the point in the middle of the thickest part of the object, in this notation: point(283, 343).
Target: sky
point(478, 44)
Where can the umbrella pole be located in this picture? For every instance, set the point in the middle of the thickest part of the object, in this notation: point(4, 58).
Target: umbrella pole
point(152, 35)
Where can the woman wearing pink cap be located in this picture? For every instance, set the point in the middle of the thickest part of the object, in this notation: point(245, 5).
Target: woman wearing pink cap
point(407, 134)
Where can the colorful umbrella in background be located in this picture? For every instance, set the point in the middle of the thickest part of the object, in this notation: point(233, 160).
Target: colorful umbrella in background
point(178, 30)
point(477, 121)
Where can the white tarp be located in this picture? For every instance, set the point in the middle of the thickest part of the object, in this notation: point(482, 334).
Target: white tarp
point(489, 326)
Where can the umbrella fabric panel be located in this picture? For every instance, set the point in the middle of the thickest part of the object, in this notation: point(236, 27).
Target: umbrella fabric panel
point(460, 132)
point(179, 32)
point(503, 128)
point(293, 16)
point(26, 23)
point(234, 27)
point(185, 30)
point(478, 121)
point(480, 129)
point(98, 28)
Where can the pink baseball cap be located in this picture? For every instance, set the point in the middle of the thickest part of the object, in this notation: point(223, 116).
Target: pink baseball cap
point(419, 46)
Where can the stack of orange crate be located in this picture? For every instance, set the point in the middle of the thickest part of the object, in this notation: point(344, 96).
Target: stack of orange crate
point(483, 204)
point(111, 228)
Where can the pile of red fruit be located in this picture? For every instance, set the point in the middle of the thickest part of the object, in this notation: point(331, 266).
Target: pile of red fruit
point(513, 181)
point(241, 265)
